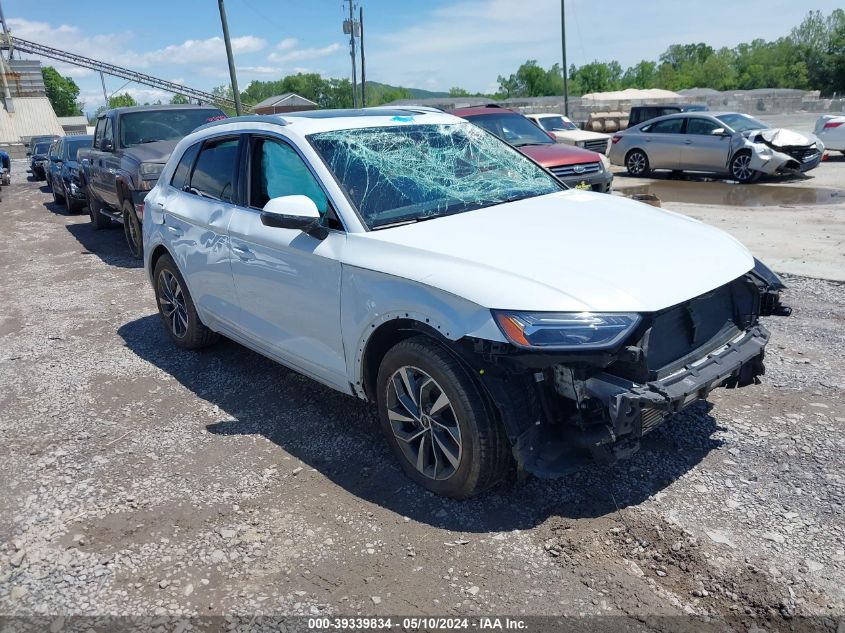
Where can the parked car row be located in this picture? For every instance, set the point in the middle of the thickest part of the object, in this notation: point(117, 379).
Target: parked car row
point(62, 171)
point(409, 258)
point(573, 166)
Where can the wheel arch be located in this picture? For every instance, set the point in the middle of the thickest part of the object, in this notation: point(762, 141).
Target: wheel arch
point(384, 335)
point(636, 148)
point(155, 255)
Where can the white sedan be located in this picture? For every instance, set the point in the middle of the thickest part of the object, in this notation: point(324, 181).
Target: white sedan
point(407, 257)
point(830, 130)
point(565, 131)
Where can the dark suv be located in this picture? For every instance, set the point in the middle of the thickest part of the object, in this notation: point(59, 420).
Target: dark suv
point(640, 114)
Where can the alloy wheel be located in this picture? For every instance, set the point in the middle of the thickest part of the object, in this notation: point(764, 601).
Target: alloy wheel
point(636, 163)
point(741, 168)
point(424, 423)
point(132, 235)
point(172, 302)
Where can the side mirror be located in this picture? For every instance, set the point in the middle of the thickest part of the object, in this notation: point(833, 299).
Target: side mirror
point(293, 212)
point(106, 145)
point(719, 131)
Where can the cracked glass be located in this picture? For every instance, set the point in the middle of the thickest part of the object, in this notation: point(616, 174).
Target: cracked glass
point(409, 173)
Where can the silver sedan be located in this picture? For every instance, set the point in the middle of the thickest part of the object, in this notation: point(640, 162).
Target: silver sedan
point(725, 143)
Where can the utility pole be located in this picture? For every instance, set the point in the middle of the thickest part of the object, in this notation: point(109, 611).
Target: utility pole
point(563, 47)
point(363, 65)
point(235, 93)
point(350, 26)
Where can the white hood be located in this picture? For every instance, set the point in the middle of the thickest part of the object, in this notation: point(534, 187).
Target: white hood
point(580, 135)
point(569, 251)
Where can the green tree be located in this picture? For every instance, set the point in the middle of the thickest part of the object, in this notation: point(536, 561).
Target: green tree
point(179, 100)
point(531, 80)
point(62, 92)
point(458, 92)
point(641, 75)
point(595, 77)
point(124, 100)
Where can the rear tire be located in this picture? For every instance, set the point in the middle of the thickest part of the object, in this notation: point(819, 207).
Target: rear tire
point(636, 162)
point(176, 307)
point(132, 230)
point(445, 435)
point(98, 220)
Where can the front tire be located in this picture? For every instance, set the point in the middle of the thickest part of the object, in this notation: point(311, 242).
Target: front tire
point(132, 230)
point(176, 308)
point(740, 168)
point(437, 421)
point(636, 162)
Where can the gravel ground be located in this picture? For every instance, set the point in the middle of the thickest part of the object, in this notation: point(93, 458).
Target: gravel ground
point(137, 479)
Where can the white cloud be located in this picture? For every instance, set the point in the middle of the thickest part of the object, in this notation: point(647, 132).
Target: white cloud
point(203, 51)
point(289, 53)
point(466, 43)
point(287, 44)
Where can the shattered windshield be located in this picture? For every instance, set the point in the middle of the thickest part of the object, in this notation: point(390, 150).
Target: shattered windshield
point(557, 124)
point(742, 122)
point(411, 173)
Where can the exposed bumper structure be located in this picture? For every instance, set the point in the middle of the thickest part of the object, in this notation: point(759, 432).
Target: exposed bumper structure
point(562, 409)
point(635, 409)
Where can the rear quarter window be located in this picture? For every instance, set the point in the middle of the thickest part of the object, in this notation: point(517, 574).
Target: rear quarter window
point(182, 173)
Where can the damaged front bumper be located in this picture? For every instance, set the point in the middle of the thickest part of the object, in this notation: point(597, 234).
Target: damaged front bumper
point(562, 410)
point(778, 151)
point(635, 409)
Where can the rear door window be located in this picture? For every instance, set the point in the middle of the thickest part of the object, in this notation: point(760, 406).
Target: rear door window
point(214, 172)
point(669, 126)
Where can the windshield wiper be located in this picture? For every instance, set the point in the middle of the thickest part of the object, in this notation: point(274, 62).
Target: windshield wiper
point(530, 143)
point(414, 220)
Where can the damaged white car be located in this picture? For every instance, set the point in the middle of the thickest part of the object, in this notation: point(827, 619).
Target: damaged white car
point(411, 259)
point(725, 143)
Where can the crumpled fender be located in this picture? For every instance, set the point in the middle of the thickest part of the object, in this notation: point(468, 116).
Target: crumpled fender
point(763, 145)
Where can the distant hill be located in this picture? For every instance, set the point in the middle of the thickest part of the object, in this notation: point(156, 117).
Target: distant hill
point(376, 89)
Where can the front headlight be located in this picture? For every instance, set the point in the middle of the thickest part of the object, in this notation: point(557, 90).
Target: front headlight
point(605, 162)
point(151, 170)
point(566, 330)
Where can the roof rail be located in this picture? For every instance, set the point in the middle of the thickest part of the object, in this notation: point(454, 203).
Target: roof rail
point(247, 118)
point(417, 108)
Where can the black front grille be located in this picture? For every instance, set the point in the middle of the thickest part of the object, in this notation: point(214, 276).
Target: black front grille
point(597, 145)
point(579, 169)
point(803, 154)
point(689, 330)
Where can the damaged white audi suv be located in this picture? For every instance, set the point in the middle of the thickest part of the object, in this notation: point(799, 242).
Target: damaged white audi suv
point(497, 319)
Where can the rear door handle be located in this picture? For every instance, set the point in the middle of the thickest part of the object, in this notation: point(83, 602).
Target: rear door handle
point(688, 142)
point(243, 252)
point(176, 231)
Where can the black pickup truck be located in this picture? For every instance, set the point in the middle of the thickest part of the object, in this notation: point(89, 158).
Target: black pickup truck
point(131, 146)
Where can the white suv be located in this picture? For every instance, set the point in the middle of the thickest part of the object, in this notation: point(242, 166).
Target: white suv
point(407, 257)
